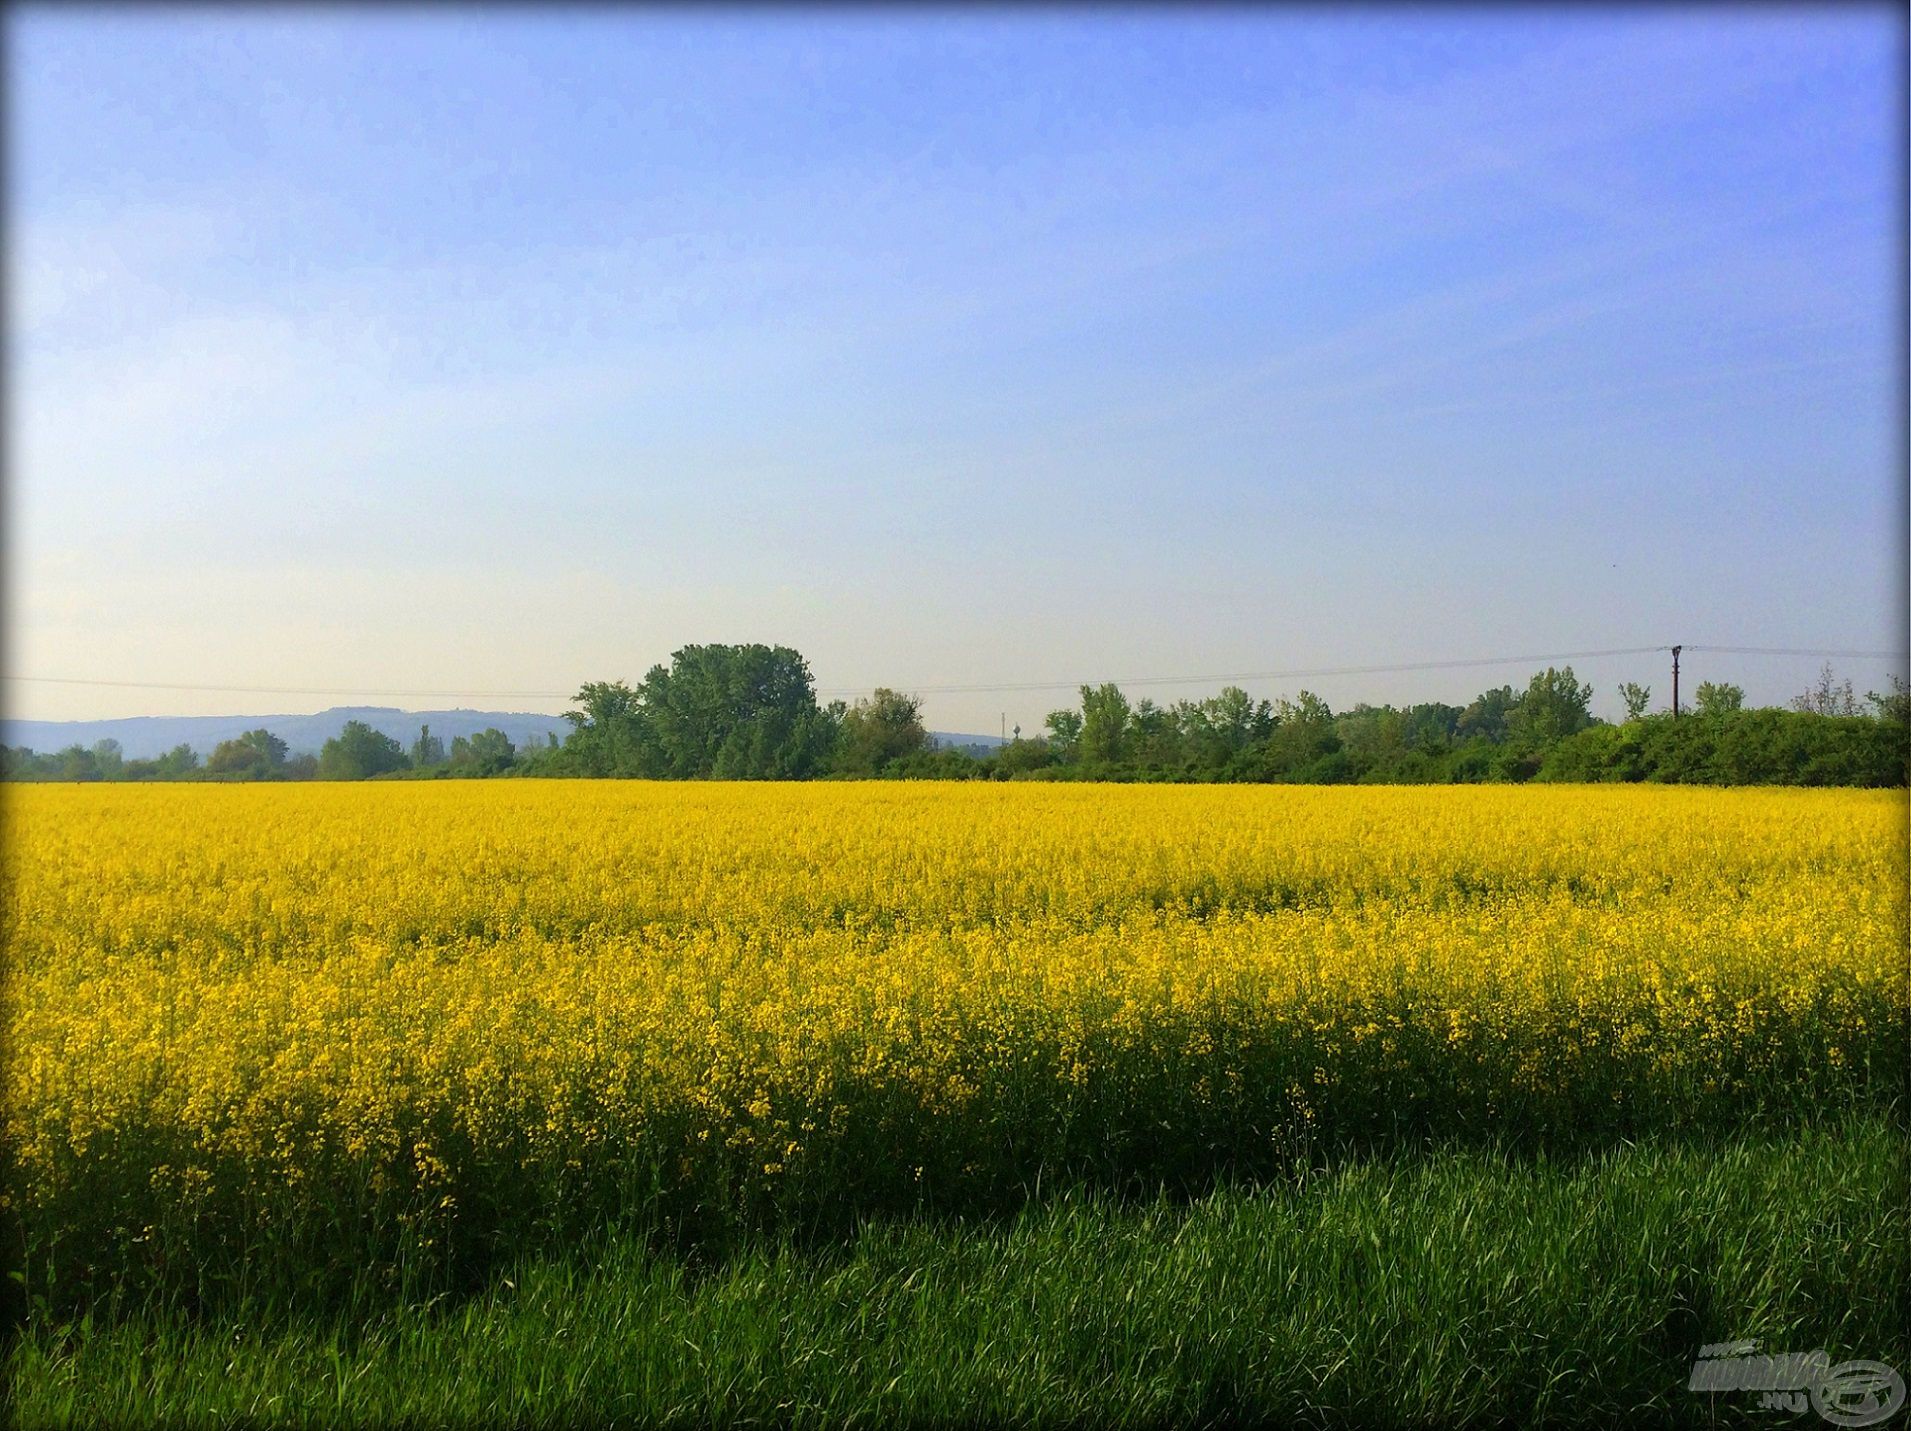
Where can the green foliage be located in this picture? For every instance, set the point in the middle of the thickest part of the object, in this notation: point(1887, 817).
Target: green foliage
point(1300, 745)
point(428, 749)
point(932, 765)
point(724, 712)
point(1554, 706)
point(1546, 732)
point(1020, 757)
point(1495, 1291)
point(256, 755)
point(1064, 735)
point(358, 752)
point(79, 763)
point(750, 712)
point(181, 760)
point(1104, 728)
point(1714, 698)
point(880, 730)
point(1895, 704)
point(1738, 747)
point(1220, 730)
point(489, 752)
point(1486, 716)
point(737, 713)
point(609, 735)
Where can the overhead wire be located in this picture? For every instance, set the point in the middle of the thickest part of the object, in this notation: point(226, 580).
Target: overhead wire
point(1293, 673)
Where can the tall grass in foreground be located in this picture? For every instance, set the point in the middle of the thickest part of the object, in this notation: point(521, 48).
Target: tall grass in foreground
point(1452, 1288)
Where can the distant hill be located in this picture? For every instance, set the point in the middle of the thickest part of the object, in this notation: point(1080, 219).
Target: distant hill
point(143, 737)
point(977, 745)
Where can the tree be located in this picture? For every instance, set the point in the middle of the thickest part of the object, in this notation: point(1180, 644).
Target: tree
point(236, 760)
point(178, 761)
point(736, 713)
point(1302, 744)
point(488, 752)
point(1719, 698)
point(107, 758)
point(1064, 734)
point(1827, 697)
point(1155, 741)
point(1374, 737)
point(76, 762)
point(1636, 697)
point(880, 729)
point(609, 734)
point(256, 755)
point(1895, 705)
point(1219, 729)
point(1487, 715)
point(1306, 709)
point(1105, 715)
point(428, 749)
point(1555, 706)
point(358, 752)
point(1431, 725)
point(1020, 755)
point(266, 743)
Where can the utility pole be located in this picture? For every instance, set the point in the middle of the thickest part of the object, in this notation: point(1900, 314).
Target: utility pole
point(1675, 682)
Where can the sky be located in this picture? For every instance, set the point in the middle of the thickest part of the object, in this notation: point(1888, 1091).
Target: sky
point(484, 352)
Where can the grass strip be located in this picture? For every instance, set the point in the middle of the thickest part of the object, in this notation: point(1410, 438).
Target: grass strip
point(1446, 1288)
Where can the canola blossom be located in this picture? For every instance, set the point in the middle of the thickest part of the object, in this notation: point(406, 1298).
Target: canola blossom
point(423, 1024)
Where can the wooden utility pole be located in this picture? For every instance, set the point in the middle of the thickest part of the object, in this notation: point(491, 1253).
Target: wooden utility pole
point(1675, 682)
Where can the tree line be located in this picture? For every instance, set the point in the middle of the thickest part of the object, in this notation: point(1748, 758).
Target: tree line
point(750, 712)
point(357, 752)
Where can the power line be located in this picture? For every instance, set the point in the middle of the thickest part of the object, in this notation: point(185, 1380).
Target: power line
point(1297, 673)
point(1799, 651)
point(289, 690)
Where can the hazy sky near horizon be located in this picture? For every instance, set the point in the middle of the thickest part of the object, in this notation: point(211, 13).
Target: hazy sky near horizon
point(495, 351)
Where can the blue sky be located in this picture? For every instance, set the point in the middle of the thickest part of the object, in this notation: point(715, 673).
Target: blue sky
point(492, 350)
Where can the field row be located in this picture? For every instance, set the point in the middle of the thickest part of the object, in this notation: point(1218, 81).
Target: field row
point(291, 1025)
point(251, 870)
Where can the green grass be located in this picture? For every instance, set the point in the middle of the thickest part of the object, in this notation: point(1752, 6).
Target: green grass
point(1459, 1287)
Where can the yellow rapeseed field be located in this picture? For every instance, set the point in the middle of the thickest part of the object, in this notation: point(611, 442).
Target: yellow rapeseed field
point(423, 1021)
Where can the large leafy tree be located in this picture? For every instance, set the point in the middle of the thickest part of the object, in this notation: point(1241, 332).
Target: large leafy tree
point(1718, 698)
point(1486, 715)
point(1555, 706)
point(609, 734)
point(880, 729)
point(486, 753)
point(358, 752)
point(178, 761)
point(1064, 734)
point(1105, 720)
point(1303, 736)
point(736, 713)
point(256, 755)
point(1219, 729)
